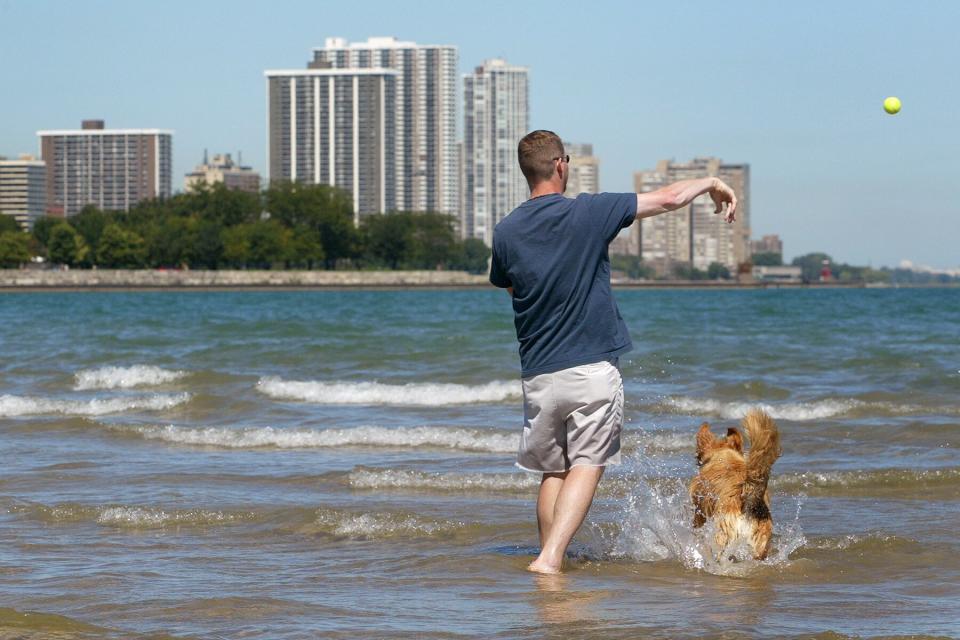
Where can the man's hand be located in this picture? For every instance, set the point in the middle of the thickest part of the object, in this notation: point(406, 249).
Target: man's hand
point(680, 194)
point(721, 194)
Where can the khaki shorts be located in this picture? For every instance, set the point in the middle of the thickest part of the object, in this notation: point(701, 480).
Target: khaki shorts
point(572, 417)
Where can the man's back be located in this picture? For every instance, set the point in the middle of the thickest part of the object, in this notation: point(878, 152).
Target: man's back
point(553, 252)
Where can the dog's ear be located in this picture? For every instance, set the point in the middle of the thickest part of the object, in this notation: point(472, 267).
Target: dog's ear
point(734, 439)
point(705, 442)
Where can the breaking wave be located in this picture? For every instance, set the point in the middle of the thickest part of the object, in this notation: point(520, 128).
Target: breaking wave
point(437, 437)
point(796, 411)
point(877, 479)
point(401, 437)
point(11, 406)
point(413, 394)
point(381, 525)
point(124, 377)
point(134, 517)
point(409, 479)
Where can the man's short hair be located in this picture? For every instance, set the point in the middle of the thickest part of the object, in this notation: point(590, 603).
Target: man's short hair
point(536, 153)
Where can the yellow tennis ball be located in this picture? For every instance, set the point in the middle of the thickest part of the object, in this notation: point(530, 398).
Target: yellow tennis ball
point(891, 105)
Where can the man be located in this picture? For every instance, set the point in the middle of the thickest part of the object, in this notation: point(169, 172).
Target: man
point(550, 254)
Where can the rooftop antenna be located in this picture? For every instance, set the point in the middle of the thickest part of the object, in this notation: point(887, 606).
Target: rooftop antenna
point(205, 160)
point(239, 158)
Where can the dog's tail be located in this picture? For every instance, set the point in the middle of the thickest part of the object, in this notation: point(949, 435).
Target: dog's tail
point(764, 451)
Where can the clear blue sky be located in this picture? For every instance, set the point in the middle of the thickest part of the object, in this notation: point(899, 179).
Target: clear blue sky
point(795, 89)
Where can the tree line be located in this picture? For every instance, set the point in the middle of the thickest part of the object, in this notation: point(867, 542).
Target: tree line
point(287, 226)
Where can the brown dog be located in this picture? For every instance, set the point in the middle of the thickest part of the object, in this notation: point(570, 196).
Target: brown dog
point(732, 488)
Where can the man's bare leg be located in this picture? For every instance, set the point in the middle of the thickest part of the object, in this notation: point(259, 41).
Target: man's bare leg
point(547, 501)
point(572, 503)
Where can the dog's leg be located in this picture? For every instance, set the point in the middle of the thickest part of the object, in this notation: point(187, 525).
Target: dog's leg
point(762, 535)
point(726, 531)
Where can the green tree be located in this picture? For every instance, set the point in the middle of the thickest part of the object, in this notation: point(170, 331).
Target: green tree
point(89, 223)
point(42, 228)
point(432, 241)
point(269, 244)
point(14, 249)
point(717, 271)
point(471, 255)
point(305, 248)
point(217, 203)
point(327, 209)
point(633, 266)
point(66, 246)
point(168, 241)
point(120, 249)
point(387, 239)
point(205, 244)
point(811, 264)
point(236, 245)
point(767, 259)
point(686, 271)
point(8, 223)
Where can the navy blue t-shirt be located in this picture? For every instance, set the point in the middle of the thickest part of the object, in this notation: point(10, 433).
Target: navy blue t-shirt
point(553, 252)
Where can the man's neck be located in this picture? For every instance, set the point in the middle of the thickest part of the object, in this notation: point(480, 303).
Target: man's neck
point(545, 189)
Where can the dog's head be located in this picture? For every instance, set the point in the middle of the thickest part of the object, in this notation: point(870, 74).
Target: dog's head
point(708, 444)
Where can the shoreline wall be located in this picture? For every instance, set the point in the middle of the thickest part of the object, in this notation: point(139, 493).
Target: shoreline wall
point(106, 279)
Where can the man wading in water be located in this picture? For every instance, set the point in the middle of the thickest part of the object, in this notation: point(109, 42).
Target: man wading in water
point(550, 253)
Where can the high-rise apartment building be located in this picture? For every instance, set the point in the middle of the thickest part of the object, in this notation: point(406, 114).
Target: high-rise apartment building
point(425, 115)
point(335, 127)
point(584, 170)
point(496, 116)
point(695, 235)
point(767, 244)
point(112, 169)
point(222, 170)
point(23, 189)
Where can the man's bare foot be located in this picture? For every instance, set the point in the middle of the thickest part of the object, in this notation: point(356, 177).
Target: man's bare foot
point(537, 566)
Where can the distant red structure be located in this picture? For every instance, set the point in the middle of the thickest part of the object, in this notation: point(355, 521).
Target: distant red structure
point(825, 273)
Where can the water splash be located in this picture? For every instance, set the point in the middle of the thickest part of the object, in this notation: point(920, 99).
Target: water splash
point(655, 523)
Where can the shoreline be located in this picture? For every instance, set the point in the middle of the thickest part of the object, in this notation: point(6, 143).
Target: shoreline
point(29, 281)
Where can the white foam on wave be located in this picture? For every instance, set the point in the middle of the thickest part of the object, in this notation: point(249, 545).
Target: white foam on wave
point(128, 515)
point(876, 478)
point(154, 517)
point(381, 525)
point(415, 393)
point(124, 377)
point(11, 406)
point(663, 441)
point(371, 436)
point(410, 479)
point(843, 543)
point(799, 411)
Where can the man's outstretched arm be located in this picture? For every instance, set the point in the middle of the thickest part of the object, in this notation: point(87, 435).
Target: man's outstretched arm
point(680, 194)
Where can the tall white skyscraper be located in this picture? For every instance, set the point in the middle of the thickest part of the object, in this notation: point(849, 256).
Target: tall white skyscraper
point(496, 103)
point(335, 127)
point(425, 163)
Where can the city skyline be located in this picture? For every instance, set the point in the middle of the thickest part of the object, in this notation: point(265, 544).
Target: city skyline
point(794, 92)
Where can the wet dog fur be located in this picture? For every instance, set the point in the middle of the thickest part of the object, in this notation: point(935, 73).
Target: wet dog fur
point(731, 488)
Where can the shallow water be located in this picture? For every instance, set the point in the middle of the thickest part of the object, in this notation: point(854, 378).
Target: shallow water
point(339, 464)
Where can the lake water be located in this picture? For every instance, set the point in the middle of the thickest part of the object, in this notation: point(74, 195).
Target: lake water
point(339, 464)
